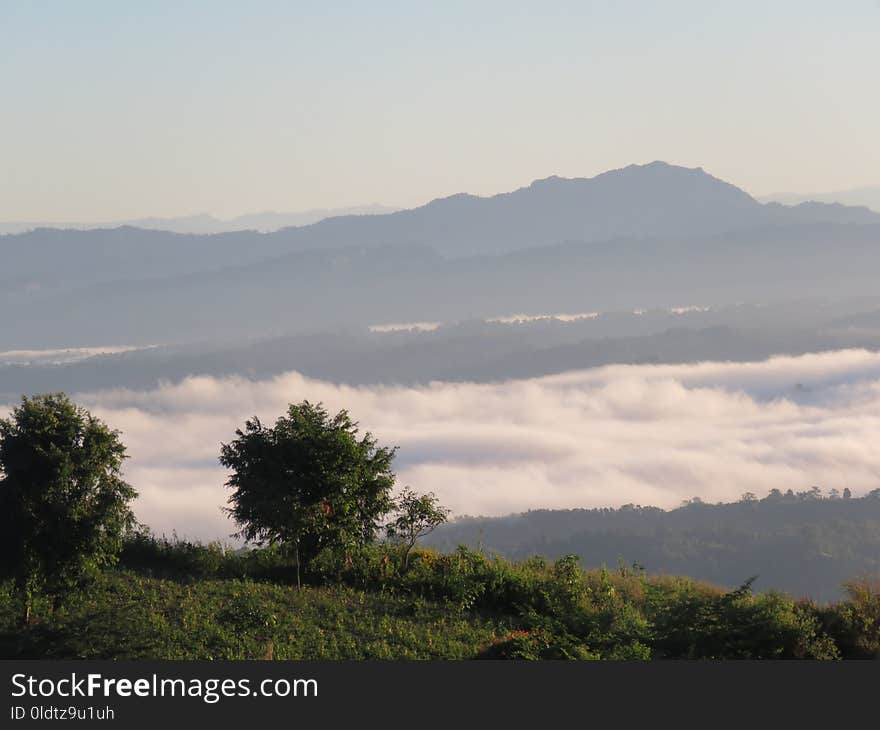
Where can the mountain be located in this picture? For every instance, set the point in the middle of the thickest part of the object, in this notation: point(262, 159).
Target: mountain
point(644, 236)
point(651, 200)
point(868, 197)
point(314, 290)
point(638, 201)
point(203, 223)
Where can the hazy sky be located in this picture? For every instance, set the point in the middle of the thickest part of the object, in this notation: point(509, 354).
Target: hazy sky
point(117, 110)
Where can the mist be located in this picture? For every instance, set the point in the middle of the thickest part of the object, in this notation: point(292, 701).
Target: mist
point(643, 434)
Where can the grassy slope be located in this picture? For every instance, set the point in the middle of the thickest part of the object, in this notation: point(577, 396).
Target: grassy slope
point(451, 606)
point(131, 617)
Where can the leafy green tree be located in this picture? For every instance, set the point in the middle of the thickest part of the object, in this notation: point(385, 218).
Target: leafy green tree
point(308, 482)
point(860, 616)
point(417, 516)
point(63, 504)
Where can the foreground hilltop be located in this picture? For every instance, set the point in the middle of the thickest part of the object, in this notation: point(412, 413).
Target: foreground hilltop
point(185, 601)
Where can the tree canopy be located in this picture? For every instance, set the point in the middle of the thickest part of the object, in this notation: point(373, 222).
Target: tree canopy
point(308, 481)
point(64, 507)
point(417, 515)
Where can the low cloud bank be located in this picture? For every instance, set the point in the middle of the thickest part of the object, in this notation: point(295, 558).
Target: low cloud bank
point(600, 437)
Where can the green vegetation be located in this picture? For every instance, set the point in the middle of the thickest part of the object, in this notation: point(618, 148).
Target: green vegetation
point(417, 516)
point(63, 506)
point(336, 572)
point(126, 616)
point(806, 543)
point(308, 482)
point(174, 599)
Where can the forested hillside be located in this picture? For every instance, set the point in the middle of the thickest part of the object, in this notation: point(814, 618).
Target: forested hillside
point(805, 543)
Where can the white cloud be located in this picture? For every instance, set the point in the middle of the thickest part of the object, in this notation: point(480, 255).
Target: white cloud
point(526, 318)
point(405, 327)
point(57, 357)
point(600, 437)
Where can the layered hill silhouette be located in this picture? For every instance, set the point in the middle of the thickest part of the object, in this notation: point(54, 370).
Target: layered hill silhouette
point(204, 223)
point(657, 199)
point(638, 201)
point(642, 236)
point(868, 197)
point(475, 351)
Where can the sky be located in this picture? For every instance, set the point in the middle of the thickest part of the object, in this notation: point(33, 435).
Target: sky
point(642, 434)
point(121, 110)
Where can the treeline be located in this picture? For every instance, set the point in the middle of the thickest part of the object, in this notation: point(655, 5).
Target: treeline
point(806, 543)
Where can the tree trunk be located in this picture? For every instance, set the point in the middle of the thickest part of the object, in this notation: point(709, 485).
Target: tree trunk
point(296, 551)
point(406, 553)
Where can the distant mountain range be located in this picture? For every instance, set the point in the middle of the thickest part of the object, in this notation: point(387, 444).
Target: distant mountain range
point(642, 236)
point(474, 351)
point(263, 222)
point(638, 201)
point(868, 197)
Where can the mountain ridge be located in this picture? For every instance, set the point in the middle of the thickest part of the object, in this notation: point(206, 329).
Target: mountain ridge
point(204, 223)
point(639, 236)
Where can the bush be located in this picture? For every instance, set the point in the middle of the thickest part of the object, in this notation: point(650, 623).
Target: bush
point(546, 610)
point(855, 623)
point(737, 625)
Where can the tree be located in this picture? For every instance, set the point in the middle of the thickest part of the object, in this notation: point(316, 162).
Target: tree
point(63, 504)
point(417, 516)
point(308, 482)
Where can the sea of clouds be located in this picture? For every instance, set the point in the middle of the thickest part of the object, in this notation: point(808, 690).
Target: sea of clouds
point(607, 436)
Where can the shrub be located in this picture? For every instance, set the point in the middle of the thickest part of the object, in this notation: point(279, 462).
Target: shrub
point(855, 623)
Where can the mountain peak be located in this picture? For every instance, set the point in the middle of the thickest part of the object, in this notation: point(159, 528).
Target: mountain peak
point(651, 200)
point(647, 171)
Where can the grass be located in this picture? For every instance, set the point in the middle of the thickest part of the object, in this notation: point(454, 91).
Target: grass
point(174, 600)
point(126, 616)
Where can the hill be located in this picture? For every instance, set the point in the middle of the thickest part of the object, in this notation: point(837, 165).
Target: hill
point(473, 351)
point(203, 223)
point(868, 196)
point(313, 290)
point(799, 543)
point(639, 237)
point(654, 200)
point(456, 606)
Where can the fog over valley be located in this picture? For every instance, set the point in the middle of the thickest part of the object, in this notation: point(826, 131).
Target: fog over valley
point(647, 434)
